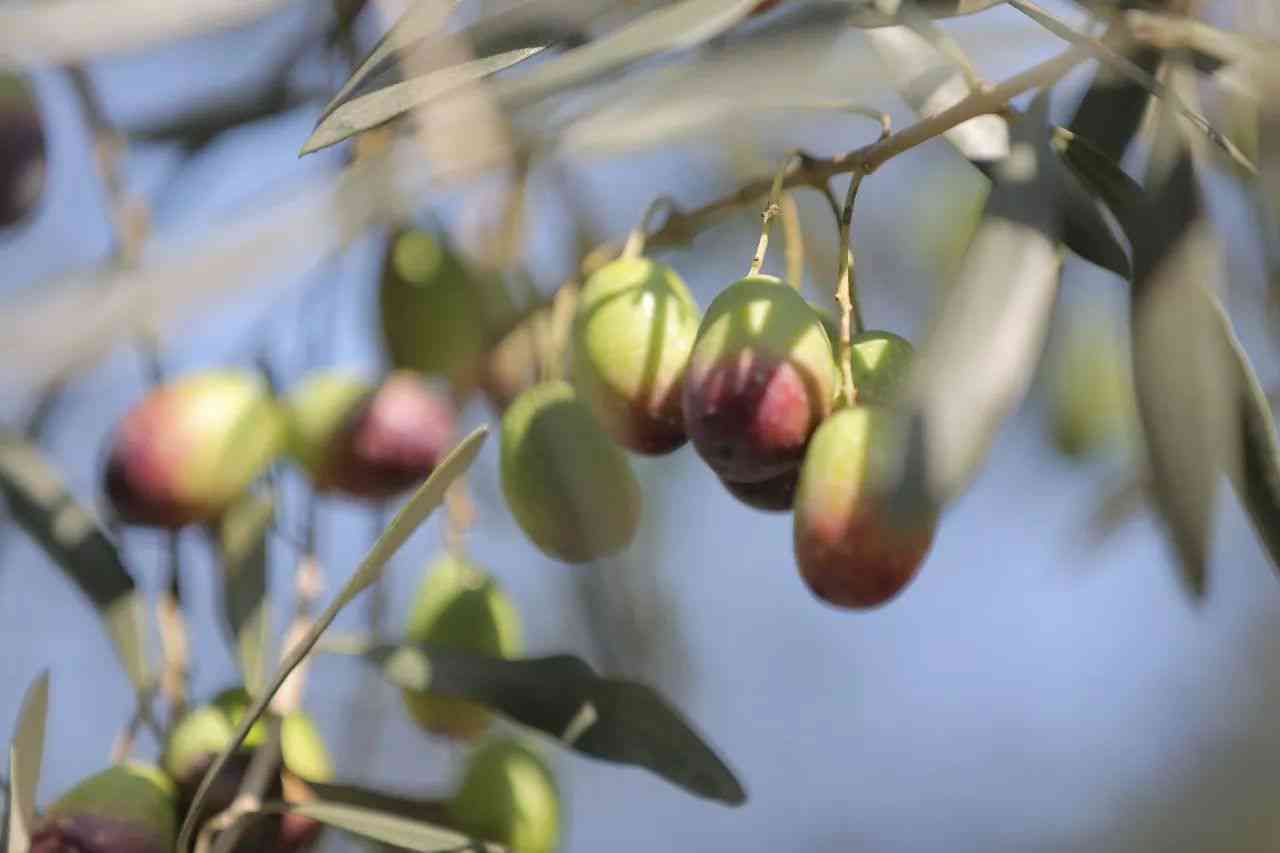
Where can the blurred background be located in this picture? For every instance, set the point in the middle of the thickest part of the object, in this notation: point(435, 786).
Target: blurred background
point(1044, 685)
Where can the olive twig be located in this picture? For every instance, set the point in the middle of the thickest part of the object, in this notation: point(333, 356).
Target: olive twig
point(461, 515)
point(794, 245)
point(846, 291)
point(634, 247)
point(771, 209)
point(173, 634)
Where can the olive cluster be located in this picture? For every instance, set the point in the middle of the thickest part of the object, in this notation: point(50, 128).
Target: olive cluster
point(753, 384)
point(504, 794)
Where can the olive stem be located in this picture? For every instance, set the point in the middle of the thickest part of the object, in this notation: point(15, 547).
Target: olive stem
point(125, 741)
point(846, 291)
point(809, 171)
point(461, 515)
point(173, 634)
point(634, 247)
point(794, 245)
point(771, 209)
point(559, 322)
point(1131, 71)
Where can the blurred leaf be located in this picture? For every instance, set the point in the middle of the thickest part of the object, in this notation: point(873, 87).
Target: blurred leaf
point(415, 41)
point(26, 755)
point(1257, 476)
point(1183, 399)
point(877, 13)
point(1267, 190)
point(741, 86)
point(74, 540)
point(975, 367)
point(1128, 69)
point(371, 110)
point(1113, 107)
point(424, 501)
point(420, 21)
point(1121, 193)
point(930, 83)
point(49, 32)
point(68, 322)
point(677, 26)
point(614, 720)
point(1118, 505)
point(393, 829)
point(1189, 392)
point(242, 547)
point(341, 793)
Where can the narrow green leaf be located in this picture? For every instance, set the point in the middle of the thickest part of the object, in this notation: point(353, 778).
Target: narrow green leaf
point(418, 22)
point(931, 83)
point(423, 502)
point(618, 721)
point(74, 540)
point(876, 13)
point(64, 32)
point(976, 366)
point(403, 832)
point(241, 537)
point(1257, 477)
point(1183, 401)
point(1101, 174)
point(26, 755)
point(1191, 388)
point(416, 41)
point(1128, 69)
point(368, 111)
point(1113, 107)
point(342, 793)
point(6, 806)
point(677, 26)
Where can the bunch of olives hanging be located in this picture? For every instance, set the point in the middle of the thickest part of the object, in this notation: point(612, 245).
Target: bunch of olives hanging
point(754, 385)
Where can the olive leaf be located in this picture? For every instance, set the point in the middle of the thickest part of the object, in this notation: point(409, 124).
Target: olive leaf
point(1191, 397)
point(1257, 476)
point(1113, 107)
point(388, 828)
point(676, 26)
point(424, 501)
point(39, 501)
point(1127, 68)
point(52, 32)
point(930, 83)
point(416, 39)
point(26, 755)
point(345, 793)
point(977, 363)
point(419, 22)
point(877, 13)
point(241, 537)
point(614, 720)
point(368, 111)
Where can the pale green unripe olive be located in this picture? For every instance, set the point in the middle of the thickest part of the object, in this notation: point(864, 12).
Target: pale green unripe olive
point(633, 330)
point(1091, 397)
point(438, 315)
point(761, 377)
point(850, 549)
point(127, 808)
point(508, 795)
point(569, 487)
point(191, 447)
point(457, 605)
point(880, 362)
